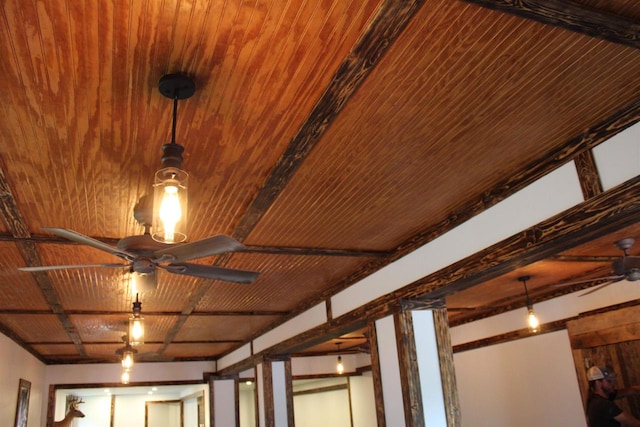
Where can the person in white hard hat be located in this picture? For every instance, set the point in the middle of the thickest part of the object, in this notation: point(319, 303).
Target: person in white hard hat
point(601, 409)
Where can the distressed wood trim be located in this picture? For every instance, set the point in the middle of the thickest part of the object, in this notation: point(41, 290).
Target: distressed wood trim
point(9, 211)
point(267, 391)
point(588, 174)
point(288, 384)
point(376, 375)
point(447, 368)
point(51, 405)
point(409, 374)
point(212, 418)
point(571, 16)
point(422, 304)
point(236, 400)
point(390, 19)
point(256, 401)
point(31, 255)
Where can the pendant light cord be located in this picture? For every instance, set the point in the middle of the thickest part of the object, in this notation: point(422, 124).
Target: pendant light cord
point(175, 117)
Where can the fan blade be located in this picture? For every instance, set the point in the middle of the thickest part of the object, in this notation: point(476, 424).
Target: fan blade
point(86, 240)
point(579, 282)
point(66, 267)
point(201, 248)
point(604, 285)
point(212, 272)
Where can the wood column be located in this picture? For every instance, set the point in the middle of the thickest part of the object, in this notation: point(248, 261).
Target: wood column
point(275, 393)
point(414, 365)
point(224, 401)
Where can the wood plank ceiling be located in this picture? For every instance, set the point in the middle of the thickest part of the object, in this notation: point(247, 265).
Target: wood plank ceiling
point(329, 137)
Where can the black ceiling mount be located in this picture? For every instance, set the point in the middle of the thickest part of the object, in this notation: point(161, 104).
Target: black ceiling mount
point(176, 86)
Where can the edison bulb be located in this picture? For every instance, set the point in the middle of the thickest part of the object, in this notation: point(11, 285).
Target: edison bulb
point(127, 360)
point(340, 366)
point(534, 323)
point(137, 330)
point(170, 211)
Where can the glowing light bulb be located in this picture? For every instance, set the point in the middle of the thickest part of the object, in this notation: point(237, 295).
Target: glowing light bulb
point(125, 377)
point(127, 360)
point(534, 323)
point(340, 366)
point(137, 330)
point(170, 211)
point(170, 196)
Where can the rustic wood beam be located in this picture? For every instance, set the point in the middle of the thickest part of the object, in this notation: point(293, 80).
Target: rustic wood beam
point(14, 221)
point(388, 23)
point(588, 174)
point(589, 220)
point(409, 374)
point(571, 16)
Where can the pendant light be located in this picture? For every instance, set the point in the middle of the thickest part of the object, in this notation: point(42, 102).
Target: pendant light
point(339, 365)
point(532, 319)
point(136, 324)
point(126, 354)
point(171, 182)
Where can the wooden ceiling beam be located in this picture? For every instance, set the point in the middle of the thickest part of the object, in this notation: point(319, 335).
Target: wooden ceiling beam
point(571, 16)
point(10, 214)
point(391, 18)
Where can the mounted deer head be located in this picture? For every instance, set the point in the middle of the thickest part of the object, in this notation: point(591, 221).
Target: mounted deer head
point(72, 413)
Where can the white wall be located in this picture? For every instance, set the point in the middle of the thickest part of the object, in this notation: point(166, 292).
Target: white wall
point(528, 382)
point(17, 363)
point(321, 408)
point(363, 404)
point(525, 383)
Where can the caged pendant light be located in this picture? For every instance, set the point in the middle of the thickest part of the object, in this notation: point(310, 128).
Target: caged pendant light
point(171, 182)
point(136, 324)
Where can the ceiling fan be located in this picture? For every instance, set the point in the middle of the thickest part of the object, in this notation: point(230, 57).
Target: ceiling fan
point(144, 256)
point(626, 267)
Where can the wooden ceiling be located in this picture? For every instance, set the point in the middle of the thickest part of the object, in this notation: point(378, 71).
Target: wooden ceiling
point(329, 137)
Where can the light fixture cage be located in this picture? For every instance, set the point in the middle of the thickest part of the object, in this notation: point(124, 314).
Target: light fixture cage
point(170, 198)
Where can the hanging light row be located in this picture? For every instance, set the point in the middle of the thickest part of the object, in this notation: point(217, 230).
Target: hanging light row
point(169, 223)
point(126, 355)
point(134, 337)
